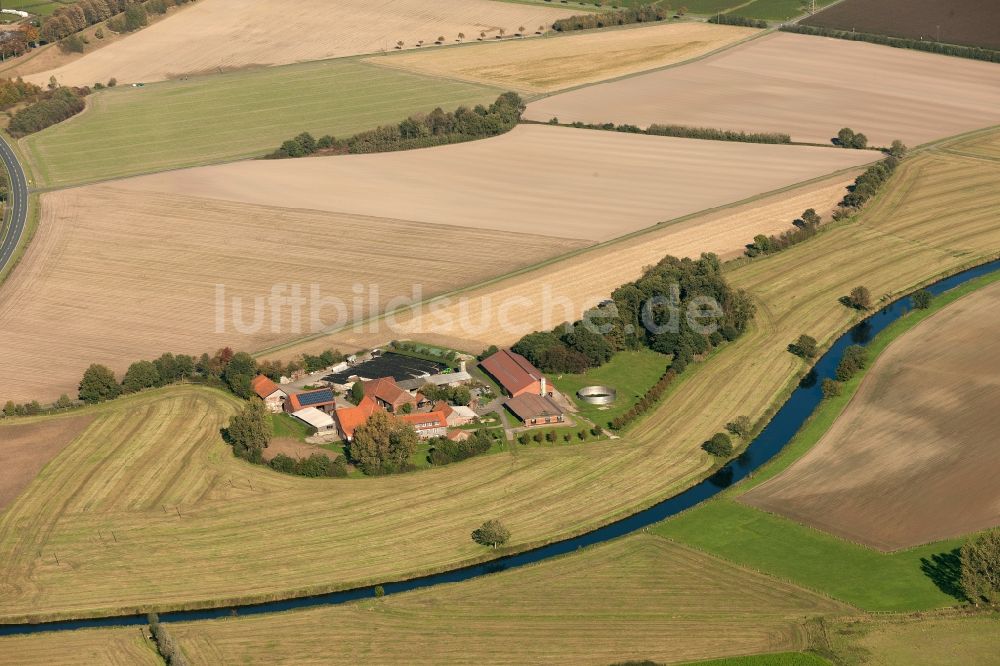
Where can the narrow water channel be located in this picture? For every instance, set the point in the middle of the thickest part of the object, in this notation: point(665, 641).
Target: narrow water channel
point(779, 432)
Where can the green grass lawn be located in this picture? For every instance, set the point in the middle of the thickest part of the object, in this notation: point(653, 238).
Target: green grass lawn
point(632, 373)
point(215, 118)
point(778, 10)
point(861, 576)
point(40, 7)
point(287, 426)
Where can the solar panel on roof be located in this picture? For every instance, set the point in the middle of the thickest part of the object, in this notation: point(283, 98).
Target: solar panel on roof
point(315, 397)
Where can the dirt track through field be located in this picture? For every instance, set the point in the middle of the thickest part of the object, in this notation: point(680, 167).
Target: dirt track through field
point(807, 86)
point(229, 34)
point(544, 65)
point(912, 459)
point(572, 183)
point(112, 277)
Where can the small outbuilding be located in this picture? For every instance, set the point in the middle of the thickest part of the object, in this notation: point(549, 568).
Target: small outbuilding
point(272, 395)
point(320, 421)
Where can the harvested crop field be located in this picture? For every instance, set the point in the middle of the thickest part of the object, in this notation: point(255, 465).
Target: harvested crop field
point(545, 65)
point(968, 22)
point(571, 183)
point(910, 460)
point(642, 597)
point(935, 216)
point(124, 646)
point(765, 84)
point(112, 277)
point(218, 35)
point(725, 232)
point(26, 448)
point(125, 131)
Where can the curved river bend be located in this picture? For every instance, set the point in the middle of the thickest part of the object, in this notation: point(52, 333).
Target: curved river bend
point(782, 428)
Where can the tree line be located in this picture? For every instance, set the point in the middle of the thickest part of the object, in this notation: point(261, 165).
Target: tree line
point(803, 229)
point(165, 643)
point(644, 14)
point(121, 16)
point(418, 131)
point(971, 52)
point(53, 107)
point(684, 132)
point(445, 451)
point(746, 22)
point(666, 310)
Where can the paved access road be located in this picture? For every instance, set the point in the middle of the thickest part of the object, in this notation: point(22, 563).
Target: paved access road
point(18, 207)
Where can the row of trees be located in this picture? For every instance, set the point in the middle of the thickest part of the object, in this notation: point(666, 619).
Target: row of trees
point(684, 132)
point(644, 14)
point(315, 466)
point(418, 131)
point(444, 451)
point(803, 229)
point(165, 643)
point(552, 436)
point(682, 307)
point(121, 16)
point(51, 108)
point(972, 52)
point(646, 402)
point(729, 19)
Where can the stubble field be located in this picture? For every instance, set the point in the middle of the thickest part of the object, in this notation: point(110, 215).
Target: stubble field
point(766, 84)
point(218, 35)
point(907, 462)
point(545, 65)
point(26, 447)
point(112, 277)
point(572, 183)
point(359, 532)
point(641, 597)
point(244, 114)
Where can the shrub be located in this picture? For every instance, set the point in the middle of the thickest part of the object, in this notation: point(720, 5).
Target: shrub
point(805, 347)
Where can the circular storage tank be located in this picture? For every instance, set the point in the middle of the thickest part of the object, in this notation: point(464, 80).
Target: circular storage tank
point(597, 395)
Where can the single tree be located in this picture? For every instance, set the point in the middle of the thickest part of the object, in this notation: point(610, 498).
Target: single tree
point(898, 149)
point(922, 299)
point(859, 141)
point(10, 409)
point(860, 298)
point(250, 430)
point(383, 444)
point(831, 388)
point(520, 31)
point(357, 392)
point(805, 346)
point(399, 44)
point(140, 375)
point(845, 137)
point(720, 445)
point(461, 36)
point(239, 372)
point(491, 533)
point(980, 557)
point(811, 218)
point(98, 384)
point(741, 427)
point(64, 402)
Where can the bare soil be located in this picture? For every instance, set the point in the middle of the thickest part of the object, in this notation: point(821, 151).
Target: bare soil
point(806, 86)
point(913, 457)
point(26, 448)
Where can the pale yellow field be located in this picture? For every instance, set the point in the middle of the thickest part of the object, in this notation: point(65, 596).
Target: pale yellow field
point(545, 65)
point(557, 181)
point(108, 647)
point(113, 278)
point(806, 86)
point(216, 35)
point(232, 538)
point(473, 320)
point(641, 597)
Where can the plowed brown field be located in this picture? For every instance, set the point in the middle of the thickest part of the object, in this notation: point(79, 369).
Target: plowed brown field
point(911, 459)
point(806, 86)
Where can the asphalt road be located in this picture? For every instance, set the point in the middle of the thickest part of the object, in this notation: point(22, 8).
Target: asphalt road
point(18, 207)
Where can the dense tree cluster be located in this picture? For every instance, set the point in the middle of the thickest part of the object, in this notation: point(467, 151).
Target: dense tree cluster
point(250, 431)
point(866, 185)
point(922, 299)
point(16, 43)
point(805, 346)
point(444, 451)
point(53, 107)
point(854, 360)
point(831, 388)
point(418, 131)
point(804, 228)
point(972, 52)
point(165, 644)
point(980, 558)
point(15, 91)
point(644, 14)
point(383, 445)
point(848, 138)
point(455, 395)
point(720, 445)
point(315, 466)
point(682, 307)
point(122, 16)
point(730, 19)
